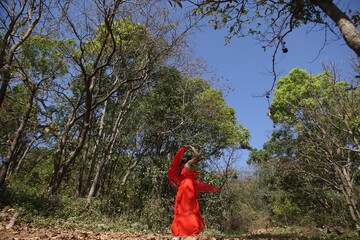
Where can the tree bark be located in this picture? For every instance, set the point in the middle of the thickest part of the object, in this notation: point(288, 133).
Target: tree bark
point(24, 155)
point(62, 170)
point(79, 184)
point(109, 147)
point(130, 169)
point(8, 50)
point(102, 60)
point(63, 136)
point(348, 191)
point(347, 28)
point(96, 147)
point(14, 143)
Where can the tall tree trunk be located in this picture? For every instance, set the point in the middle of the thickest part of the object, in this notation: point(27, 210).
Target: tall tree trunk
point(347, 28)
point(102, 60)
point(5, 82)
point(110, 145)
point(114, 135)
point(96, 179)
point(348, 191)
point(18, 165)
point(130, 169)
point(62, 170)
point(62, 139)
point(14, 143)
point(96, 147)
point(64, 167)
point(79, 184)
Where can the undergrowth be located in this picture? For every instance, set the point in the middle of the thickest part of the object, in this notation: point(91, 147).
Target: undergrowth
point(70, 213)
point(63, 211)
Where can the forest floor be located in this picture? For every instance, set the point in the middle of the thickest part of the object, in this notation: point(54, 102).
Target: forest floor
point(24, 231)
point(13, 228)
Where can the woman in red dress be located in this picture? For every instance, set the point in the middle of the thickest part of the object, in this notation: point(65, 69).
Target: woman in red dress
point(187, 218)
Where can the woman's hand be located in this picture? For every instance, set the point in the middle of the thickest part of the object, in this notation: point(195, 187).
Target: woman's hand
point(194, 160)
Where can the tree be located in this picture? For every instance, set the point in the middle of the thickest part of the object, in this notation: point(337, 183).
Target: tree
point(117, 60)
point(112, 59)
point(38, 64)
point(292, 196)
point(18, 19)
point(271, 21)
point(321, 113)
point(99, 103)
point(169, 112)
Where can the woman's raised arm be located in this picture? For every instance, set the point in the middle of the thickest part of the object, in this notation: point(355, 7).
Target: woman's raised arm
point(194, 160)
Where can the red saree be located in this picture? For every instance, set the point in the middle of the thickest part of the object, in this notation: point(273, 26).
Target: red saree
point(187, 218)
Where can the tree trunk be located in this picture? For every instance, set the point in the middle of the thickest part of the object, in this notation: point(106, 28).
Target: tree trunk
point(347, 28)
point(102, 61)
point(129, 170)
point(14, 143)
point(94, 185)
point(105, 158)
point(16, 170)
point(96, 147)
point(348, 191)
point(63, 136)
point(352, 203)
point(62, 170)
point(79, 184)
point(110, 144)
point(5, 83)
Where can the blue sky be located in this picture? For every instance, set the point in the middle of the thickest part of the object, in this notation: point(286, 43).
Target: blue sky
point(246, 66)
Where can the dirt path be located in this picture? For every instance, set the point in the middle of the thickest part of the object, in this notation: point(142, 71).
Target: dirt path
point(24, 232)
point(12, 229)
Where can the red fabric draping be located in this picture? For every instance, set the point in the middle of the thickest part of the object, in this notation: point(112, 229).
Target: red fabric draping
point(187, 218)
point(173, 175)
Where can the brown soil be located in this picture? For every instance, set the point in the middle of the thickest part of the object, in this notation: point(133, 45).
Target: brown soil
point(11, 228)
point(25, 232)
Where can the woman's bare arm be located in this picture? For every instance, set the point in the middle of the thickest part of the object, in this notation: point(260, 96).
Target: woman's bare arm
point(194, 160)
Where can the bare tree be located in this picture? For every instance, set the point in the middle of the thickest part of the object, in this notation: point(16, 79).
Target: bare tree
point(90, 67)
point(111, 140)
point(111, 49)
point(18, 19)
point(34, 76)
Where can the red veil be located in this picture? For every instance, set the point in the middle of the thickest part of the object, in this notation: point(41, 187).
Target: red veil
point(173, 175)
